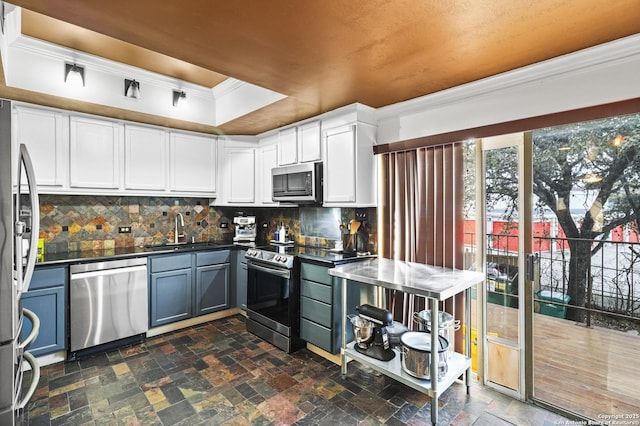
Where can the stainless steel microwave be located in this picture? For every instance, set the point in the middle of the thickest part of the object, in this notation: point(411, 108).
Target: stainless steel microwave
point(299, 184)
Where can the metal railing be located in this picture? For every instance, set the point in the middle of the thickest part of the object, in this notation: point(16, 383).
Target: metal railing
point(612, 284)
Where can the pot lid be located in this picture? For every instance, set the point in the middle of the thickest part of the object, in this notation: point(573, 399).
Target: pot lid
point(445, 319)
point(421, 341)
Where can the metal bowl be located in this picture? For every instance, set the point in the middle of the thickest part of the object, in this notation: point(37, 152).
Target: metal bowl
point(362, 331)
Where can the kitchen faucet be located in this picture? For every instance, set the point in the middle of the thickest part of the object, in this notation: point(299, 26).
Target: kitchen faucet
point(176, 234)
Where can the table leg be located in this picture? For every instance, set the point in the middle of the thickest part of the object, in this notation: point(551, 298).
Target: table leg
point(343, 358)
point(435, 359)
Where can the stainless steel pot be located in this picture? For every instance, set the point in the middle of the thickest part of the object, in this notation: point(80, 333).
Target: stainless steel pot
point(447, 326)
point(362, 330)
point(416, 354)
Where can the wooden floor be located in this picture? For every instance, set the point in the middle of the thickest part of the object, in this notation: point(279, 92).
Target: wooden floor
point(591, 371)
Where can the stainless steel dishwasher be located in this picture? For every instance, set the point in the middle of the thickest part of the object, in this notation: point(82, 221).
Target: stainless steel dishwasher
point(108, 304)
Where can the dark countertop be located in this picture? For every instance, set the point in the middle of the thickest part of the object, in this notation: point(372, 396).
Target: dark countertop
point(306, 254)
point(329, 257)
point(124, 252)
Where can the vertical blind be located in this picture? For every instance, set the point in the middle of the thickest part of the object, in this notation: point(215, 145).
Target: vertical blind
point(421, 212)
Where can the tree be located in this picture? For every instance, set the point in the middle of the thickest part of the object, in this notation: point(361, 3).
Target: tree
point(600, 159)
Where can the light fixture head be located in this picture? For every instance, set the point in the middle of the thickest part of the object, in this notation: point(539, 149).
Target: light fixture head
point(178, 97)
point(131, 89)
point(74, 74)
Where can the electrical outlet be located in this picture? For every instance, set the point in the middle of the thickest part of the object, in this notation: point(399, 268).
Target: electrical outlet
point(265, 225)
point(124, 229)
point(224, 225)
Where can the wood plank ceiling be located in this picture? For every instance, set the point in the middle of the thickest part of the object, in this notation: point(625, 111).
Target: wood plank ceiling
point(323, 54)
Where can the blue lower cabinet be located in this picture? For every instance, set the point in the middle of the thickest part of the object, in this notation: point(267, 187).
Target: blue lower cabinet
point(185, 285)
point(171, 297)
point(321, 307)
point(47, 299)
point(212, 288)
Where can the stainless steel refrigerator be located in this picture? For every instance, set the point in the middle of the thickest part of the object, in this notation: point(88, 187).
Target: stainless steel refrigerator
point(19, 223)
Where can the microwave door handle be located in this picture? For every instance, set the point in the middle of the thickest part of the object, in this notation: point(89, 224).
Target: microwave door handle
point(35, 218)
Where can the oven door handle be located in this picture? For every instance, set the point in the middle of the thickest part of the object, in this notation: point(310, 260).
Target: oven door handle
point(284, 273)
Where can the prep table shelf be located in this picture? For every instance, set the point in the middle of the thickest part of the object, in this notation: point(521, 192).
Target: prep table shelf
point(458, 364)
point(433, 282)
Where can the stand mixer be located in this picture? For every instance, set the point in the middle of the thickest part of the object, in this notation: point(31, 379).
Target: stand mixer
point(371, 334)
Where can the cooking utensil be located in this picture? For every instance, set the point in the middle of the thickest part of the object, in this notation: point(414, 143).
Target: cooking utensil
point(416, 354)
point(354, 226)
point(362, 330)
point(447, 325)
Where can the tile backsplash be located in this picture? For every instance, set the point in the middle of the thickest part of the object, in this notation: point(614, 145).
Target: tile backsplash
point(81, 223)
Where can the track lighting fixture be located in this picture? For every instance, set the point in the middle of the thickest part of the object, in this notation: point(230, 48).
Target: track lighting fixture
point(74, 74)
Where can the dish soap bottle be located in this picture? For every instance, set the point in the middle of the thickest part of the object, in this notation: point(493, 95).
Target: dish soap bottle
point(282, 234)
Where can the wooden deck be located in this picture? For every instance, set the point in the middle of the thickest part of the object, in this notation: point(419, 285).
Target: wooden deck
point(590, 371)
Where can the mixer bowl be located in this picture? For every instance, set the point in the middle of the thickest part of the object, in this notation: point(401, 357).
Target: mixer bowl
point(362, 331)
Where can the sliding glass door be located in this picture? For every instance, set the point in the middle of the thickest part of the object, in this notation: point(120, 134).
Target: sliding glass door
point(506, 223)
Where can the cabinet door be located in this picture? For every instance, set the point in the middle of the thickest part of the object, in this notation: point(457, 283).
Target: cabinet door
point(310, 142)
point(268, 158)
point(288, 142)
point(212, 288)
point(145, 158)
point(94, 153)
point(193, 163)
point(49, 305)
point(340, 172)
point(241, 175)
point(46, 134)
point(171, 297)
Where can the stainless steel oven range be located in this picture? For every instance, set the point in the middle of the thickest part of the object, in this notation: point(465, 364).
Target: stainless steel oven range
point(273, 296)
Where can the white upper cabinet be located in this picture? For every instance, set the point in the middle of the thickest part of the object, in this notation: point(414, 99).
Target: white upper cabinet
point(288, 143)
point(350, 172)
point(94, 153)
point(310, 142)
point(46, 135)
point(241, 162)
point(268, 159)
point(145, 157)
point(192, 166)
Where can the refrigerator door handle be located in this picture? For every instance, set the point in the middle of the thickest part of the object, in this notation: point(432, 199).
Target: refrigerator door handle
point(35, 219)
point(35, 367)
point(35, 328)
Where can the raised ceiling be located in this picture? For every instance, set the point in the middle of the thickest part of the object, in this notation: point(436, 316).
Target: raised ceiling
point(324, 54)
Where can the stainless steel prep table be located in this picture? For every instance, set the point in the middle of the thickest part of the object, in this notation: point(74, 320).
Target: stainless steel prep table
point(433, 282)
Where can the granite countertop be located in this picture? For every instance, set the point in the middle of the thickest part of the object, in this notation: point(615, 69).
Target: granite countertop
point(307, 253)
point(416, 278)
point(124, 252)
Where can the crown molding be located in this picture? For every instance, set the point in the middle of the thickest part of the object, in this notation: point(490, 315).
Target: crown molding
point(592, 58)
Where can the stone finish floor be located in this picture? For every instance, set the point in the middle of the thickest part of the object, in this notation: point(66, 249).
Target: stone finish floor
point(219, 374)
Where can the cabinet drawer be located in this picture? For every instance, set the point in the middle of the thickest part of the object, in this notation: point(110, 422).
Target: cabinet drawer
point(315, 273)
point(170, 262)
point(316, 290)
point(315, 334)
point(45, 277)
point(315, 311)
point(212, 257)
